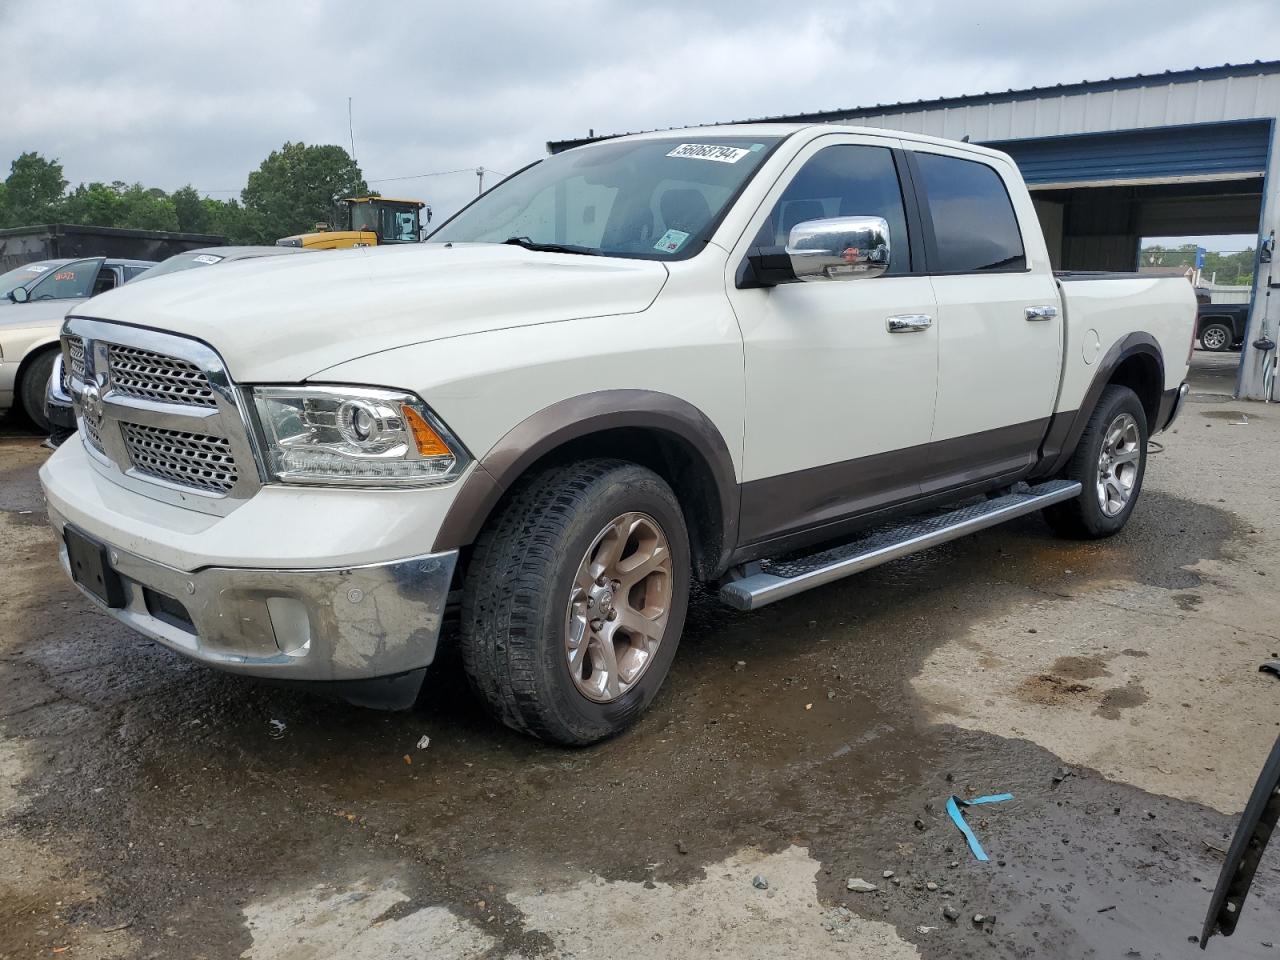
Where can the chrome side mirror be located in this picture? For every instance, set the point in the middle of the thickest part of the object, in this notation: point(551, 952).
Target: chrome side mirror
point(839, 248)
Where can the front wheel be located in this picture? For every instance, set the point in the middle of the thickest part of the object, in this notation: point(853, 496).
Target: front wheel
point(1109, 462)
point(574, 600)
point(1216, 337)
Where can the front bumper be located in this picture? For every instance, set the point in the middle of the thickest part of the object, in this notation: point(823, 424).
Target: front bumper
point(57, 402)
point(325, 624)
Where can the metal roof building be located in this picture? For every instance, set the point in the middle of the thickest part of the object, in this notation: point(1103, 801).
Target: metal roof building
point(1186, 152)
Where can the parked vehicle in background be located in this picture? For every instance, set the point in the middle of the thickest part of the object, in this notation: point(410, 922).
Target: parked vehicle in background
point(58, 408)
point(365, 222)
point(763, 357)
point(36, 298)
point(213, 256)
point(1222, 326)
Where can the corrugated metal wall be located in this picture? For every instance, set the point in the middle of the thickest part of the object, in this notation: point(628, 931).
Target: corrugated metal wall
point(1041, 113)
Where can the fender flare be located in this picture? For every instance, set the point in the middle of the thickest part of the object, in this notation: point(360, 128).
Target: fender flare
point(1066, 427)
point(576, 417)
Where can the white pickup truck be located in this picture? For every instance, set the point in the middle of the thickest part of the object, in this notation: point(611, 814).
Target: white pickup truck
point(762, 357)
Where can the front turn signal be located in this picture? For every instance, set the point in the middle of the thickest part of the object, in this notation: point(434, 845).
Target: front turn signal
point(428, 442)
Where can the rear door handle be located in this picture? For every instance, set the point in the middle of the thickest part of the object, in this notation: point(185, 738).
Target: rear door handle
point(909, 323)
point(1047, 312)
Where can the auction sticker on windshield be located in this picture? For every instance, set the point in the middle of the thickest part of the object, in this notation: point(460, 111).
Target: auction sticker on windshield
point(671, 241)
point(709, 151)
point(206, 258)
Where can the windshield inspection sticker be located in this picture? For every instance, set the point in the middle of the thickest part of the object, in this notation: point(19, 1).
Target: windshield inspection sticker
point(671, 241)
point(205, 258)
point(709, 151)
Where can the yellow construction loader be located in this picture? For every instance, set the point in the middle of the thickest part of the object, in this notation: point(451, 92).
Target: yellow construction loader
point(365, 222)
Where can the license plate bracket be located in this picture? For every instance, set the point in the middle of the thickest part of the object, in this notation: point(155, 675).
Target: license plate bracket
point(91, 568)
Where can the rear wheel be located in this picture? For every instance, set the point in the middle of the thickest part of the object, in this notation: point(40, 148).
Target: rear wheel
point(1109, 462)
point(32, 389)
point(575, 600)
point(1216, 337)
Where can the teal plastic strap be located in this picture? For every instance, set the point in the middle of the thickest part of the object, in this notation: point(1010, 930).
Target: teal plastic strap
point(954, 804)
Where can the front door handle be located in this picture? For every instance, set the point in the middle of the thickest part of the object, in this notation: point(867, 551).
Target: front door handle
point(1047, 312)
point(909, 323)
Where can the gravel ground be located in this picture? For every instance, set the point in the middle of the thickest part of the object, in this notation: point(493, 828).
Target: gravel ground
point(151, 808)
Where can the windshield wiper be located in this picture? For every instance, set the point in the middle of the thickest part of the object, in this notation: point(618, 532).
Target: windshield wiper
point(551, 247)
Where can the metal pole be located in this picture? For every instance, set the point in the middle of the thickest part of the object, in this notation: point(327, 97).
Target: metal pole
point(480, 177)
point(351, 130)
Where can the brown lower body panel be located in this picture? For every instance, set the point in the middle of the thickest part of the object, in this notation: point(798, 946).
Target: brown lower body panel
point(775, 508)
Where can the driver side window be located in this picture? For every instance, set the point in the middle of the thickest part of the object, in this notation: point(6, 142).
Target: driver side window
point(844, 181)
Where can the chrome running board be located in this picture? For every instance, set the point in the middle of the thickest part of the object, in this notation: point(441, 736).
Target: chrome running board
point(773, 580)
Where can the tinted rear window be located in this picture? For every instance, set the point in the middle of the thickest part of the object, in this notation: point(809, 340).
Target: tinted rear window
point(973, 220)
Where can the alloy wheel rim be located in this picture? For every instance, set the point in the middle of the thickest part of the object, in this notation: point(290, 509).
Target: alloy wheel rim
point(618, 607)
point(1118, 464)
point(1214, 338)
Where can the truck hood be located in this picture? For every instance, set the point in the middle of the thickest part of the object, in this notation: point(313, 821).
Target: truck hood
point(285, 319)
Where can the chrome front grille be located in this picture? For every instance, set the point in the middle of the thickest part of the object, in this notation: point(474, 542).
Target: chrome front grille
point(159, 415)
point(154, 376)
point(92, 434)
point(189, 459)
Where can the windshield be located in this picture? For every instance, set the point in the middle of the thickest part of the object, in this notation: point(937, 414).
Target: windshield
point(182, 261)
point(392, 223)
point(649, 199)
point(24, 275)
point(70, 281)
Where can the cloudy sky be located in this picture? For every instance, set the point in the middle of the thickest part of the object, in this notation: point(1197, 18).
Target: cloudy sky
point(169, 93)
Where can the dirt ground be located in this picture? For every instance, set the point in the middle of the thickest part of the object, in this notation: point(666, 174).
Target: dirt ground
point(152, 808)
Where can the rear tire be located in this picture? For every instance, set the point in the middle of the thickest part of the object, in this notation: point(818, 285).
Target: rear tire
point(1216, 337)
point(563, 561)
point(1109, 462)
point(32, 389)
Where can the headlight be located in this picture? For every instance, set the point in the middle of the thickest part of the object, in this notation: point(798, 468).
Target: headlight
point(354, 435)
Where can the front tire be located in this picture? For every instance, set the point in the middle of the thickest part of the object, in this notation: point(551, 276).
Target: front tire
point(1109, 462)
point(32, 389)
point(575, 600)
point(1216, 337)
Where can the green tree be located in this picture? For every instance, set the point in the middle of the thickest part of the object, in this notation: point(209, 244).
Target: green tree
point(91, 204)
point(296, 186)
point(147, 209)
point(227, 218)
point(193, 216)
point(119, 205)
point(33, 187)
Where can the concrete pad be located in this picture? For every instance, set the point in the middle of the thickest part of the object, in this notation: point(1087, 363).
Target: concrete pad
point(721, 915)
point(363, 921)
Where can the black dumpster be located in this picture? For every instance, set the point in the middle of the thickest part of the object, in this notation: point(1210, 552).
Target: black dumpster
point(19, 245)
